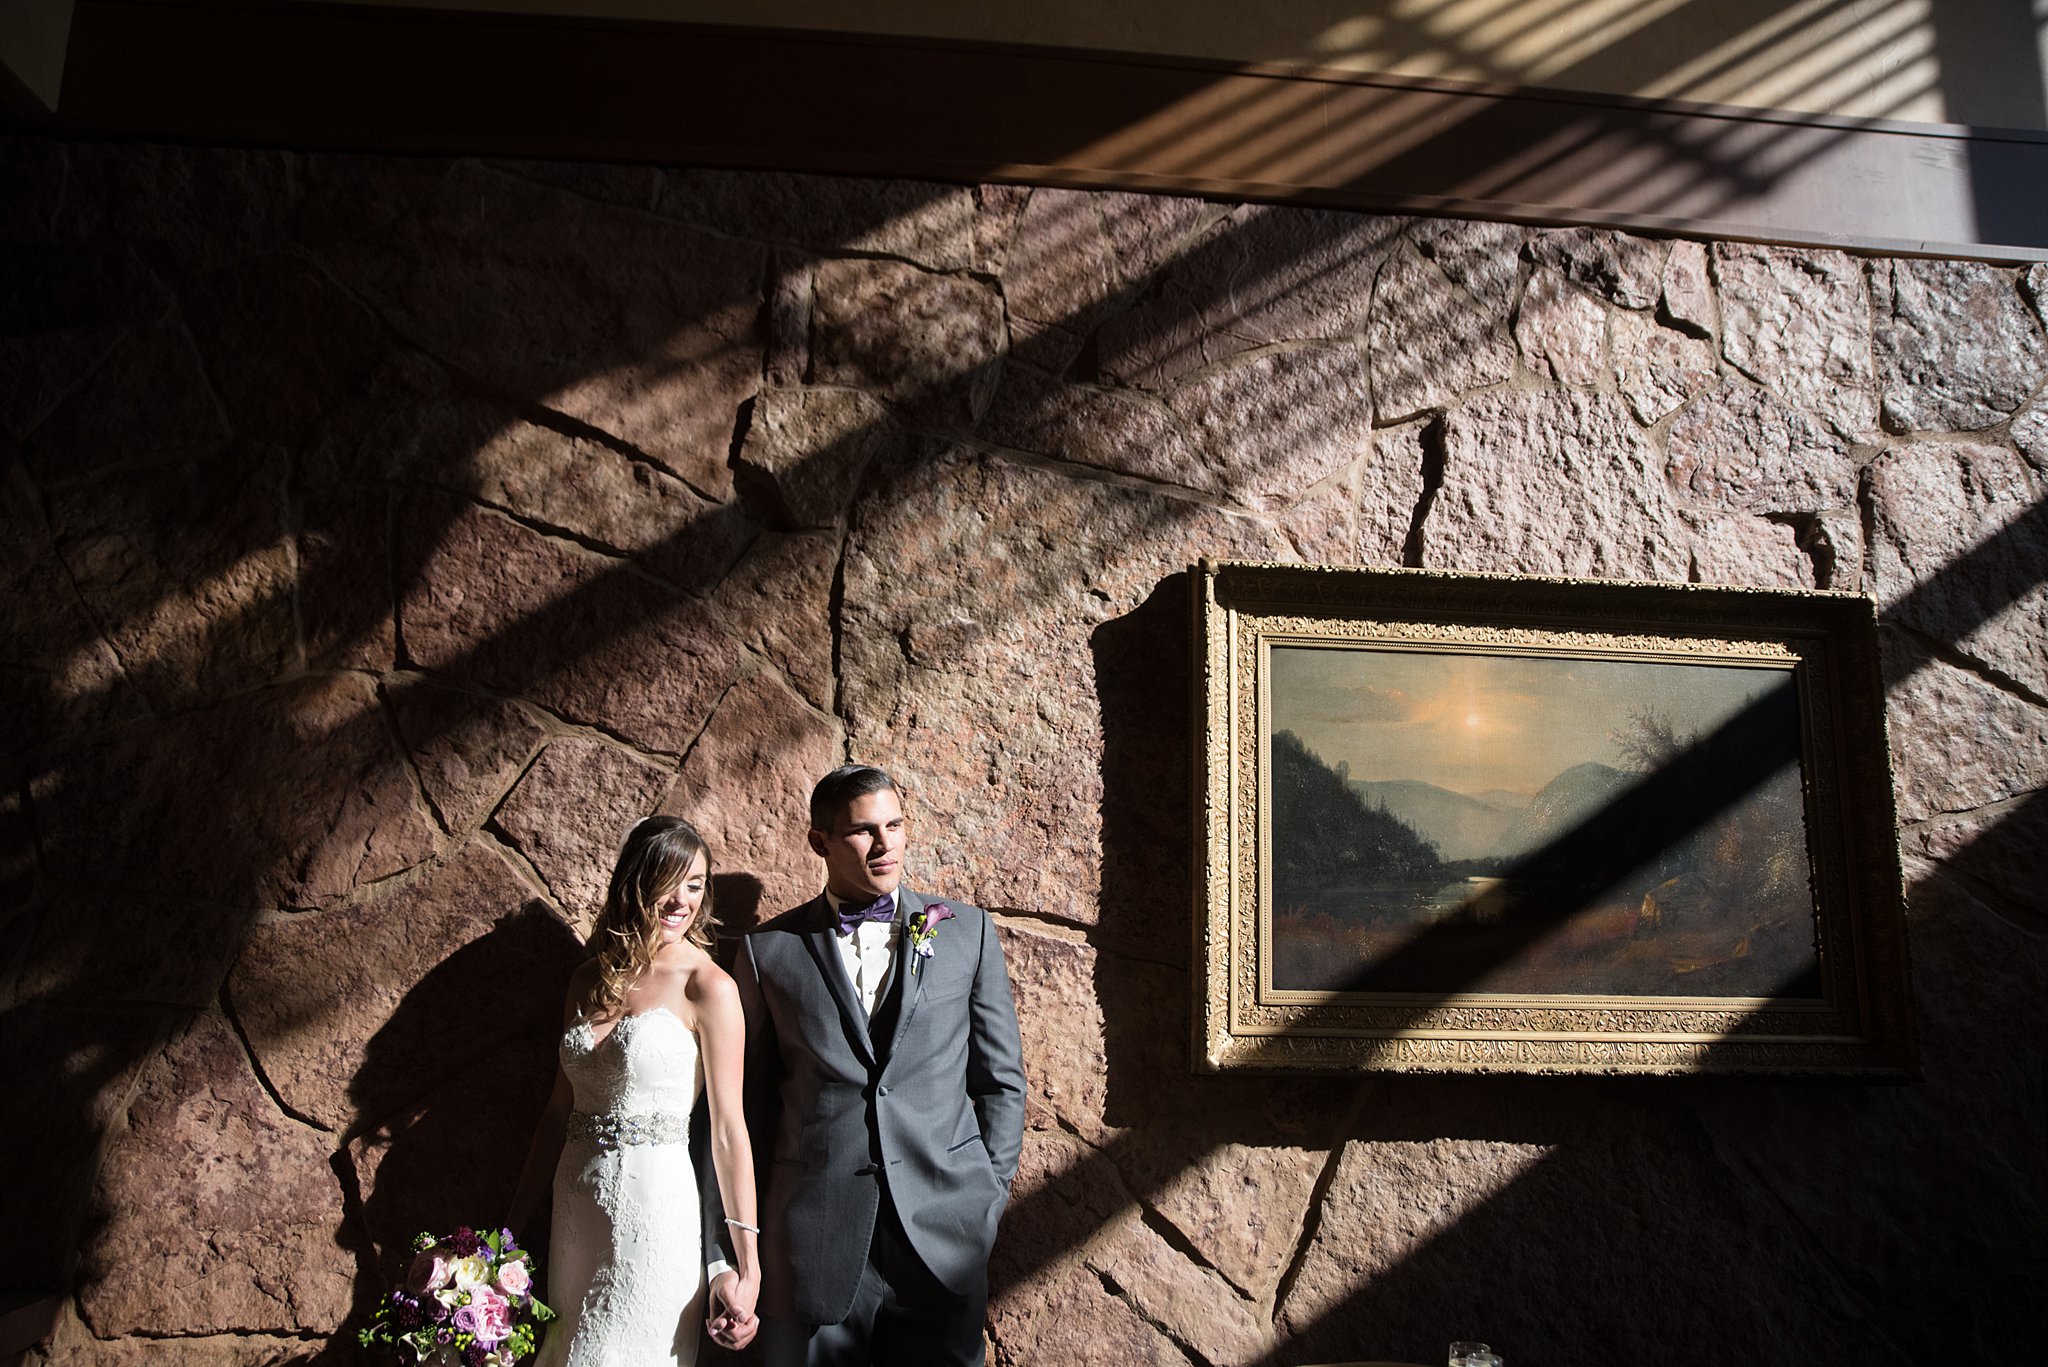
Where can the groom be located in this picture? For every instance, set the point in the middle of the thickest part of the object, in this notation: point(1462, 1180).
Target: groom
point(885, 1094)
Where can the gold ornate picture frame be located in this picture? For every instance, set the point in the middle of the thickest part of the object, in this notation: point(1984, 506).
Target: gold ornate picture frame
point(1454, 823)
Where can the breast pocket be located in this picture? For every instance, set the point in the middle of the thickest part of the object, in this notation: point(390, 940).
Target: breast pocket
point(942, 986)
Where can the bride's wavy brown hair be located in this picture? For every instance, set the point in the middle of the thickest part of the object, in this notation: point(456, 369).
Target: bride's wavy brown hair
point(653, 863)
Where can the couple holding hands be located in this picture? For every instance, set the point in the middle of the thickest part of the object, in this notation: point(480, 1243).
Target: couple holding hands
point(867, 1039)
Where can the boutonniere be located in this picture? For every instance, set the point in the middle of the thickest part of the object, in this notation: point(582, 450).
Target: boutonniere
point(924, 928)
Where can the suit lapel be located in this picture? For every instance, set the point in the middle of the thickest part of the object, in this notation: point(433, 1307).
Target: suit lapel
point(903, 979)
point(824, 946)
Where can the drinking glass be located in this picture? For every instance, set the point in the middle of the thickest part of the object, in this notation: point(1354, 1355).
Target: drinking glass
point(1467, 1354)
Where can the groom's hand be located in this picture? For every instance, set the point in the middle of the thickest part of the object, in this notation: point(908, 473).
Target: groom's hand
point(730, 1316)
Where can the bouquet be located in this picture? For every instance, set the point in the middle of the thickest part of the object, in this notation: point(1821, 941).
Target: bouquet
point(468, 1300)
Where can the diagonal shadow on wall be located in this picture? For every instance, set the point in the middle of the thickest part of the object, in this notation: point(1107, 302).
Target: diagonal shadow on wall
point(577, 619)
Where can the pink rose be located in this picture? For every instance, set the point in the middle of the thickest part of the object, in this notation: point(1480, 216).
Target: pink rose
point(430, 1272)
point(488, 1315)
point(514, 1279)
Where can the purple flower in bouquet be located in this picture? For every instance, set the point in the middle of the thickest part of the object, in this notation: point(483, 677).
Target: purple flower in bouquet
point(488, 1316)
point(467, 1298)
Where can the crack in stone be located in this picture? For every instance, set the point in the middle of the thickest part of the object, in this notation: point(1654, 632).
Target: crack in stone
point(1076, 931)
point(1312, 1216)
point(1189, 378)
point(1061, 1265)
point(835, 614)
point(490, 833)
point(710, 714)
point(220, 404)
point(1431, 440)
point(356, 896)
point(2019, 916)
point(1808, 535)
point(531, 411)
point(389, 710)
point(758, 492)
point(1073, 932)
point(1111, 1287)
point(553, 724)
point(85, 375)
point(539, 414)
point(1095, 474)
point(617, 560)
point(1160, 1224)
point(1866, 517)
point(1958, 659)
point(285, 1108)
point(1865, 1299)
point(99, 628)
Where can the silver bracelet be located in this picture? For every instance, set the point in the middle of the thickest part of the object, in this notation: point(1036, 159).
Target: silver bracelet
point(742, 1224)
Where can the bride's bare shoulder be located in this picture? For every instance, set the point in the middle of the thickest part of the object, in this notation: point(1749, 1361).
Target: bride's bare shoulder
point(709, 984)
point(693, 978)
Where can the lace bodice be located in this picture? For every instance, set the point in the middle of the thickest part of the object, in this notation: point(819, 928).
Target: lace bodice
point(645, 1065)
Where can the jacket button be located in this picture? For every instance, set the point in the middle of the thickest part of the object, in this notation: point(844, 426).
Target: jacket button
point(881, 1091)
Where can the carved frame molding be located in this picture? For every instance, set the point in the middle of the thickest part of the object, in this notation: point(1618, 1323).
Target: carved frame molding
point(1861, 1028)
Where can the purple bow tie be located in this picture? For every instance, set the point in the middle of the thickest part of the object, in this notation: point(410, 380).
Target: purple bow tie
point(847, 916)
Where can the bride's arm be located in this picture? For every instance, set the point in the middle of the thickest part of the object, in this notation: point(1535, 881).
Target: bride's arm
point(722, 1029)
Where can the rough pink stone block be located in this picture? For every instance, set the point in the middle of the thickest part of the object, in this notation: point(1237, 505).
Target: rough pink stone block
point(212, 1191)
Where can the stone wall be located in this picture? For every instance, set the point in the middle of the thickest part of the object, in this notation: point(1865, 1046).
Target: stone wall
point(384, 535)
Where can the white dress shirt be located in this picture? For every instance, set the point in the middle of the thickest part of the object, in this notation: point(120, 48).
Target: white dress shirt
point(869, 952)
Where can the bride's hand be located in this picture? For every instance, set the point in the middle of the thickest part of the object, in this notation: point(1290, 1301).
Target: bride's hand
point(731, 1320)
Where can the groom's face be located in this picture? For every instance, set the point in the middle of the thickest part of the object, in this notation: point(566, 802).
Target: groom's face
point(863, 851)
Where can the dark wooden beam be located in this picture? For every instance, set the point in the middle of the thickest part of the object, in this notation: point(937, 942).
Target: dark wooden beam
point(396, 79)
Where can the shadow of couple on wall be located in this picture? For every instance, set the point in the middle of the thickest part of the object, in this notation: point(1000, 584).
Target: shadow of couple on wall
point(450, 1090)
point(448, 1094)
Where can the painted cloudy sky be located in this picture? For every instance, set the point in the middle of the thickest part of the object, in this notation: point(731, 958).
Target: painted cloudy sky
point(1476, 722)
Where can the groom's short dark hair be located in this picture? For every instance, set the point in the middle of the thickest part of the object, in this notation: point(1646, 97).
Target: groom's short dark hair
point(838, 790)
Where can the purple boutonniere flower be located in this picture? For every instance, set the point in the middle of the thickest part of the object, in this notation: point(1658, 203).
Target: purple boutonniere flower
point(924, 927)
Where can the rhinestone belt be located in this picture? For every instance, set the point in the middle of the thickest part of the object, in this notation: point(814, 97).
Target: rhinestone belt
point(612, 1130)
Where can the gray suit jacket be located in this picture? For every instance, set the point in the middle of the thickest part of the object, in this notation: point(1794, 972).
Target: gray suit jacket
point(932, 1118)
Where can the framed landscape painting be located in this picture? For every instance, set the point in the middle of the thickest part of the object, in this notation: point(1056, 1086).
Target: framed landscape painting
point(1499, 824)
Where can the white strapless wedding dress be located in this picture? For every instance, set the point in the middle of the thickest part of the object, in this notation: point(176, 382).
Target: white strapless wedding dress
point(625, 1263)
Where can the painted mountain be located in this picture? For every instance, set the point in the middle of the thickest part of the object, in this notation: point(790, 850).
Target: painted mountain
point(1564, 803)
point(1462, 826)
point(1326, 835)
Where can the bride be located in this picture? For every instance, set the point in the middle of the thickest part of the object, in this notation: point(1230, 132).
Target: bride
point(650, 1019)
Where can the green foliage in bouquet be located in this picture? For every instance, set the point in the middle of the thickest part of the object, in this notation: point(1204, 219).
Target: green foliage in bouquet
point(467, 1299)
